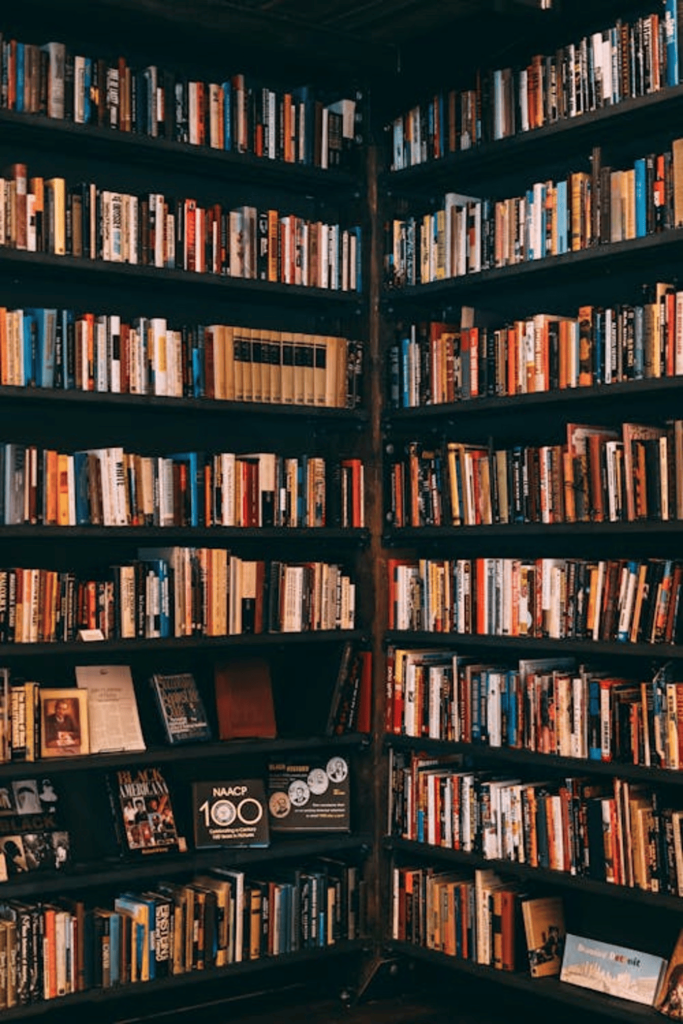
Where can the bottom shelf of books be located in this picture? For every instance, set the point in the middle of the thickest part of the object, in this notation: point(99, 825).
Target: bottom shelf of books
point(594, 955)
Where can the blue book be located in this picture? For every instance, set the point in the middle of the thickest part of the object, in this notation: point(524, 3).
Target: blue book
point(19, 105)
point(594, 731)
point(115, 947)
point(528, 242)
point(44, 348)
point(405, 372)
point(81, 481)
point(30, 336)
point(227, 115)
point(641, 202)
point(512, 708)
point(359, 265)
point(562, 218)
point(671, 40)
point(87, 86)
point(200, 368)
point(301, 504)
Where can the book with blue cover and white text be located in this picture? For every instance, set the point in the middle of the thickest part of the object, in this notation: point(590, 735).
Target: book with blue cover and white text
point(615, 970)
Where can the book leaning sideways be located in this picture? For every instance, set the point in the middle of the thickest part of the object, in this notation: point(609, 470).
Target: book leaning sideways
point(614, 970)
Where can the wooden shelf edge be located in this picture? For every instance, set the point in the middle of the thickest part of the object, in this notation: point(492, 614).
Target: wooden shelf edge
point(548, 988)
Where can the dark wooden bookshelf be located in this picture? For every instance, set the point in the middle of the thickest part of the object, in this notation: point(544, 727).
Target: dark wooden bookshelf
point(581, 999)
point(104, 648)
point(543, 877)
point(99, 143)
point(415, 536)
point(96, 1001)
point(147, 279)
point(187, 534)
point(184, 753)
point(563, 139)
point(118, 872)
point(497, 409)
point(568, 268)
point(533, 644)
point(482, 753)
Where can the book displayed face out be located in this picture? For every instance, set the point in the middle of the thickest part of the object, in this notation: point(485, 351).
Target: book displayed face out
point(310, 796)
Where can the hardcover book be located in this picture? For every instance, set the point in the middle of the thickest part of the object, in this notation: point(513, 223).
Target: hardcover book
point(143, 813)
point(615, 970)
point(181, 707)
point(309, 797)
point(244, 699)
point(230, 813)
point(545, 934)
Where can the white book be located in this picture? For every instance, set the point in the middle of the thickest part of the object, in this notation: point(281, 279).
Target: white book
point(113, 719)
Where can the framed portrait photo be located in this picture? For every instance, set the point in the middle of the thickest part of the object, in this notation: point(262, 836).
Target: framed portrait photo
point(64, 722)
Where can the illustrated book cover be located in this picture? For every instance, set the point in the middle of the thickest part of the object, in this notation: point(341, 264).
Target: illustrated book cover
point(143, 812)
point(615, 970)
point(230, 813)
point(545, 934)
point(32, 833)
point(181, 707)
point(64, 722)
point(309, 796)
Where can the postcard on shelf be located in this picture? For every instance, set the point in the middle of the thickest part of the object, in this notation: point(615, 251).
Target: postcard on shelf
point(545, 934)
point(143, 813)
point(615, 970)
point(309, 796)
point(230, 813)
point(113, 718)
point(181, 707)
point(64, 722)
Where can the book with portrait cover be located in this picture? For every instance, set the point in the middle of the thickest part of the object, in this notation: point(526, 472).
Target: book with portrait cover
point(181, 707)
point(545, 934)
point(230, 813)
point(143, 813)
point(309, 796)
point(32, 833)
point(615, 970)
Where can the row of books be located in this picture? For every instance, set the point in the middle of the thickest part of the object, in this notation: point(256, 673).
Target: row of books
point(599, 475)
point(177, 591)
point(611, 830)
point(431, 363)
point(82, 220)
point(558, 598)
point(622, 61)
point(545, 705)
point(112, 487)
point(475, 918)
point(70, 350)
point(466, 234)
point(237, 114)
point(51, 949)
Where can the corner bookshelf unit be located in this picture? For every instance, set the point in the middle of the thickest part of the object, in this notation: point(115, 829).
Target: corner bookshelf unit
point(599, 275)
